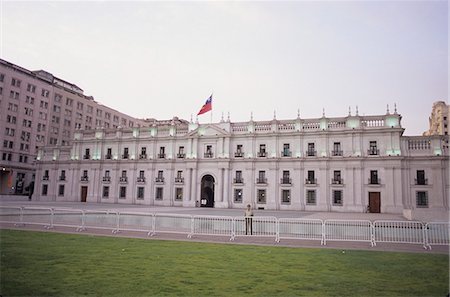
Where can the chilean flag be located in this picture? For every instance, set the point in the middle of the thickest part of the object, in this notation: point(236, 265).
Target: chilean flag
point(206, 107)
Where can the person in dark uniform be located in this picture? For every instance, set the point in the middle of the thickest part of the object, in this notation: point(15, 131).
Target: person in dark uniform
point(30, 190)
point(249, 220)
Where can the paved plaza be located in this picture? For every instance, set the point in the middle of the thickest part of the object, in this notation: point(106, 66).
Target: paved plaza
point(23, 201)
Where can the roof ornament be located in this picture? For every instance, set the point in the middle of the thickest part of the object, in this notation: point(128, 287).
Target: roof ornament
point(274, 114)
point(349, 111)
point(221, 119)
point(191, 118)
point(395, 108)
point(323, 112)
point(251, 116)
point(196, 119)
point(357, 111)
point(387, 109)
point(298, 113)
point(228, 118)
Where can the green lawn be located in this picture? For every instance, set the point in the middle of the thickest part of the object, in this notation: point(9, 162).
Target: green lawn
point(51, 264)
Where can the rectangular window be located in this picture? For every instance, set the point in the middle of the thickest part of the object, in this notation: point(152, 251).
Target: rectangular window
point(337, 149)
point(109, 153)
point(422, 198)
point(286, 196)
point(238, 193)
point(61, 190)
point(336, 177)
point(261, 196)
point(286, 150)
point(239, 151)
point(286, 179)
point(178, 194)
point(337, 197)
point(143, 152)
point(311, 177)
point(44, 190)
point(311, 150)
point(141, 174)
point(262, 150)
point(261, 177)
point(420, 178)
point(125, 153)
point(63, 175)
point(208, 151)
point(162, 153)
point(311, 197)
point(140, 193)
point(105, 192)
point(373, 180)
point(181, 153)
point(373, 150)
point(123, 192)
point(159, 193)
point(238, 178)
point(124, 173)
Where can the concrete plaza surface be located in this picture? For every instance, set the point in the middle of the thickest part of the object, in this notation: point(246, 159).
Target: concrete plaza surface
point(23, 201)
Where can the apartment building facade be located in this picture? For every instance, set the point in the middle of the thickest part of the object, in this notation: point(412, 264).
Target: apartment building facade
point(37, 109)
point(347, 164)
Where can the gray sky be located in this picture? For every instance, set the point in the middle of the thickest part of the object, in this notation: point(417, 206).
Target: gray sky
point(160, 59)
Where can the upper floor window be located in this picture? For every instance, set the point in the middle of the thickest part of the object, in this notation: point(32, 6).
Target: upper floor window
point(337, 151)
point(181, 153)
point(87, 154)
point(179, 177)
point(15, 82)
point(286, 196)
point(286, 150)
point(311, 150)
point(420, 178)
point(311, 179)
point(31, 88)
point(261, 177)
point(208, 151)
point(238, 178)
point(162, 153)
point(373, 180)
point(337, 179)
point(125, 153)
point(373, 150)
point(143, 154)
point(108, 153)
point(239, 152)
point(286, 179)
point(262, 150)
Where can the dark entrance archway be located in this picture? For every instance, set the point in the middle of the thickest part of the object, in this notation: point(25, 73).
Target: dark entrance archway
point(207, 191)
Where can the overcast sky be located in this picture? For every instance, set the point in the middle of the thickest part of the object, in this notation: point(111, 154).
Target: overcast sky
point(163, 59)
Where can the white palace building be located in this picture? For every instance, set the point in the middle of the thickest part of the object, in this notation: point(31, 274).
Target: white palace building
point(347, 164)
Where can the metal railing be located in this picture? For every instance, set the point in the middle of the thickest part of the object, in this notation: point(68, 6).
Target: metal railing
point(410, 232)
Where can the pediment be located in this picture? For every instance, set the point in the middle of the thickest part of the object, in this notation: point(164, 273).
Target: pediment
point(208, 130)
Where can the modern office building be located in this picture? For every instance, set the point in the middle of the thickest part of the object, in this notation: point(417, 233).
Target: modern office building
point(346, 164)
point(37, 109)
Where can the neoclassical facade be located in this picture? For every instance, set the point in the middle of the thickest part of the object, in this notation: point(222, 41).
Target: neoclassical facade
point(347, 164)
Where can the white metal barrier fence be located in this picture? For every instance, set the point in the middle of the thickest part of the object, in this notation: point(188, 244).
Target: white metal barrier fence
point(399, 232)
point(437, 234)
point(306, 229)
point(412, 232)
point(343, 230)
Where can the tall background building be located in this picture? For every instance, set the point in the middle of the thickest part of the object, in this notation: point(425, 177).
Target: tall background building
point(438, 119)
point(37, 109)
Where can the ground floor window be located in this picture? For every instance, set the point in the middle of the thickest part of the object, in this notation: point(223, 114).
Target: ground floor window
point(261, 198)
point(140, 193)
point(122, 192)
point(159, 193)
point(337, 197)
point(286, 196)
point(238, 195)
point(311, 197)
point(178, 194)
point(422, 199)
point(61, 190)
point(105, 192)
point(44, 190)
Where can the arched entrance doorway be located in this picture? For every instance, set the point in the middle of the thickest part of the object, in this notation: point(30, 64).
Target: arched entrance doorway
point(207, 191)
